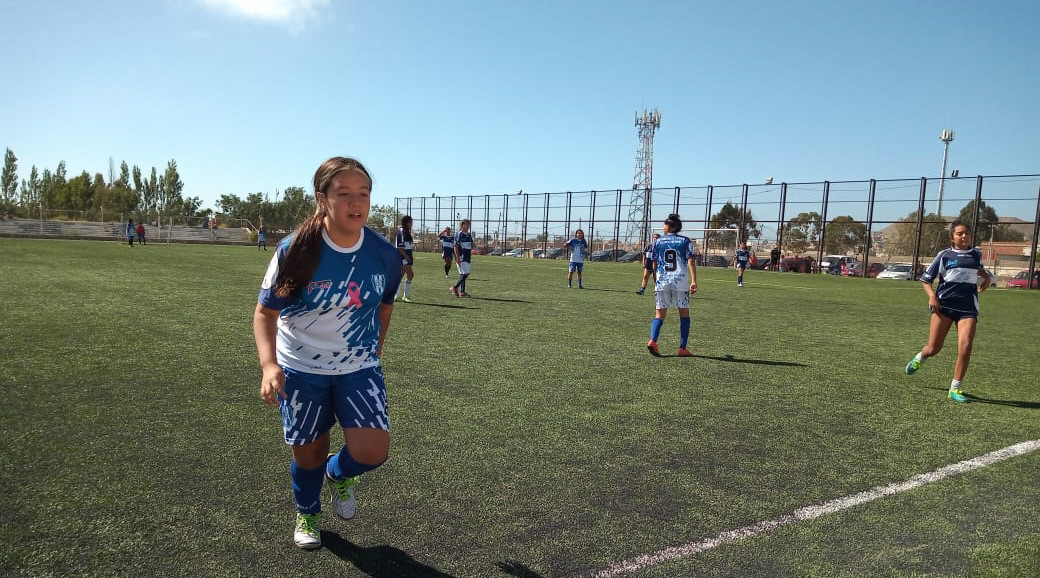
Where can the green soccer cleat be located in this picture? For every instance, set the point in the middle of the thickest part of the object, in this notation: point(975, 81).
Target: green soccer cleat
point(957, 395)
point(407, 299)
point(913, 365)
point(308, 531)
point(343, 502)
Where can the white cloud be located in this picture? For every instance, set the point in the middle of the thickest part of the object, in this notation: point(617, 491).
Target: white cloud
point(293, 13)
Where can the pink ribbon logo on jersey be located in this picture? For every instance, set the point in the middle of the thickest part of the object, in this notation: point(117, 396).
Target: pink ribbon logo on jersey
point(354, 293)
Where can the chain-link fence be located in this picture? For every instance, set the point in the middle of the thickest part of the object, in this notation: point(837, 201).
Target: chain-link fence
point(879, 220)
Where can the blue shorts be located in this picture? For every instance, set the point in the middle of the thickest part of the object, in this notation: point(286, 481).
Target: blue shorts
point(649, 265)
point(576, 267)
point(448, 254)
point(406, 261)
point(314, 403)
point(956, 314)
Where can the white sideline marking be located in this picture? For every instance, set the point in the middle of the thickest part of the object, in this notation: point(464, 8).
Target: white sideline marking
point(811, 512)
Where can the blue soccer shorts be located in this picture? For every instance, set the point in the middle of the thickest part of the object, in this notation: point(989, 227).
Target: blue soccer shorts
point(314, 403)
point(576, 267)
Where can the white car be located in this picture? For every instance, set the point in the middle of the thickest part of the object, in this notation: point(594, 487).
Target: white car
point(901, 271)
point(518, 252)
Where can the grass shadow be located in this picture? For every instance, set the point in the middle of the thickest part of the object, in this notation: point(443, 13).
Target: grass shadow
point(1011, 403)
point(379, 561)
point(501, 300)
point(443, 305)
point(733, 359)
point(514, 568)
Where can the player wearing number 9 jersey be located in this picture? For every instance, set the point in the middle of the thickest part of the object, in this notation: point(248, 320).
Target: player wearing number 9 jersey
point(674, 259)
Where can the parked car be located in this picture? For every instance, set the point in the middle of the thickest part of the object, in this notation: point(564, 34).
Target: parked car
point(606, 255)
point(1019, 280)
point(497, 252)
point(857, 270)
point(538, 254)
point(832, 263)
point(631, 256)
point(515, 252)
point(798, 264)
point(901, 271)
point(553, 253)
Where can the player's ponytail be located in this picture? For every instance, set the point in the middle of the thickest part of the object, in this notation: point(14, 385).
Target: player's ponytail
point(301, 259)
point(406, 227)
point(674, 223)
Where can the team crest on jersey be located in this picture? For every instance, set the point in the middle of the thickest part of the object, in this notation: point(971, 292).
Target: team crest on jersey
point(951, 263)
point(379, 283)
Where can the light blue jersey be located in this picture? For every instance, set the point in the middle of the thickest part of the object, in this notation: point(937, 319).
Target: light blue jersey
point(671, 253)
point(332, 326)
point(578, 249)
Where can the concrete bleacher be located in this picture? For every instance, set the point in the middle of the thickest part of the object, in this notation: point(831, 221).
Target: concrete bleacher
point(115, 231)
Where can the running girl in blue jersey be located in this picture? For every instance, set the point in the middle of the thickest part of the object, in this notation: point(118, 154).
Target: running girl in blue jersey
point(447, 249)
point(579, 248)
point(956, 301)
point(463, 255)
point(406, 247)
point(741, 260)
point(675, 258)
point(648, 264)
point(320, 322)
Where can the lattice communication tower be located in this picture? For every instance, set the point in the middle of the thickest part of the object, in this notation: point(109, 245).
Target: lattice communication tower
point(643, 181)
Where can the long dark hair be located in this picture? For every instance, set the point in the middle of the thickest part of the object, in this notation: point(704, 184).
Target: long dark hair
point(301, 259)
point(674, 223)
point(406, 227)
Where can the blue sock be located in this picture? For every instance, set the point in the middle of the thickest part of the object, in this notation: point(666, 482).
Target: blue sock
point(655, 328)
point(342, 466)
point(306, 487)
point(740, 279)
point(684, 331)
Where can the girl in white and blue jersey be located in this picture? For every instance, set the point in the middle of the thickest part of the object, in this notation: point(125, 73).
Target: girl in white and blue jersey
point(406, 247)
point(579, 248)
point(961, 276)
point(676, 264)
point(320, 322)
point(463, 254)
point(648, 264)
point(741, 259)
point(447, 249)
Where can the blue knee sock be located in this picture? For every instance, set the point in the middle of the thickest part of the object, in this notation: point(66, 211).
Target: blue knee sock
point(655, 328)
point(740, 279)
point(306, 487)
point(684, 331)
point(342, 466)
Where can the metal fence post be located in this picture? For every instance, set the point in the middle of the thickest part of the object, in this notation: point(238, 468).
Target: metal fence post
point(920, 228)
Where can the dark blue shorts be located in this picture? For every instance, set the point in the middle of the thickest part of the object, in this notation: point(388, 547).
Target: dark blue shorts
point(314, 403)
point(448, 254)
point(957, 315)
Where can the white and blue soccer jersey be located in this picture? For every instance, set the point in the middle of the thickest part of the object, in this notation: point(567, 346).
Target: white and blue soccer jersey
point(742, 257)
point(958, 273)
point(671, 253)
point(578, 249)
point(404, 242)
point(464, 242)
point(331, 326)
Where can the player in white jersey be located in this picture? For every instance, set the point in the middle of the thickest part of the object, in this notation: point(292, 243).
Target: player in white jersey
point(675, 260)
point(406, 247)
point(320, 323)
point(961, 277)
point(579, 248)
point(741, 260)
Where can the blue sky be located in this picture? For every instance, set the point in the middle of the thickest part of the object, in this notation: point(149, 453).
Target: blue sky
point(477, 97)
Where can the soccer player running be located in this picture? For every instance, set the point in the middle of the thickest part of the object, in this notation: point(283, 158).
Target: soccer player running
point(406, 247)
point(579, 248)
point(447, 249)
point(320, 322)
point(648, 263)
point(956, 301)
point(676, 265)
point(463, 254)
point(741, 259)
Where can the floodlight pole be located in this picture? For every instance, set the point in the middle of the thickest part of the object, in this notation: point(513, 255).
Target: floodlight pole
point(946, 137)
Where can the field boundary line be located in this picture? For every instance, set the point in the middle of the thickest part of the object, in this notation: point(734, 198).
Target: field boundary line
point(811, 512)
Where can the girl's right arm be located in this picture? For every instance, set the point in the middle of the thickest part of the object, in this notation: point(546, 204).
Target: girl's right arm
point(933, 299)
point(265, 326)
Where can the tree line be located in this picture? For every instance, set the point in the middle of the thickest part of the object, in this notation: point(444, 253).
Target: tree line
point(846, 235)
